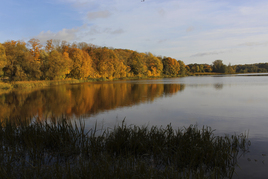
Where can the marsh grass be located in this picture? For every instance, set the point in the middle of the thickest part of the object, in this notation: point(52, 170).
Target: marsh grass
point(64, 150)
point(4, 85)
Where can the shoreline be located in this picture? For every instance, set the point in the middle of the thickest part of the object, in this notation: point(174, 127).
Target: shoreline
point(7, 86)
point(14, 85)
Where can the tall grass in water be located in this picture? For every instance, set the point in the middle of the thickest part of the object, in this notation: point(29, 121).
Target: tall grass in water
point(63, 150)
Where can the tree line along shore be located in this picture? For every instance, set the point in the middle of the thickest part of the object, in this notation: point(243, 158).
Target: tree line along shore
point(76, 62)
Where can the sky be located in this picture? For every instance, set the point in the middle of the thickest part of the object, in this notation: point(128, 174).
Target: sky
point(194, 31)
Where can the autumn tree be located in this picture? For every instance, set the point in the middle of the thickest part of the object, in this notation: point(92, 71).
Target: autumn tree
point(207, 68)
point(83, 45)
point(137, 64)
point(15, 51)
point(182, 71)
point(3, 60)
point(231, 69)
point(56, 66)
point(123, 55)
point(21, 64)
point(107, 63)
point(171, 66)
point(154, 65)
point(35, 48)
point(49, 46)
point(82, 64)
point(65, 46)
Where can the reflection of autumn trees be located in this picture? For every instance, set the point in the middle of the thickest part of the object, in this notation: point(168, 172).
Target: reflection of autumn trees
point(86, 99)
point(172, 89)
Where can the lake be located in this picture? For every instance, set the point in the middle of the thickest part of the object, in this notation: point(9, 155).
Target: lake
point(231, 104)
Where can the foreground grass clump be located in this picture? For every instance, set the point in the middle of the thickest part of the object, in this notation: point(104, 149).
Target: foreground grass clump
point(63, 150)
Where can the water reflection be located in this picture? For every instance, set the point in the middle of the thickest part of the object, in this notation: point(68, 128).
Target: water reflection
point(81, 100)
point(218, 86)
point(239, 105)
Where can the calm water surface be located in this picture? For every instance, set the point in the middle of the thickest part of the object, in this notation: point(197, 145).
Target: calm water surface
point(229, 104)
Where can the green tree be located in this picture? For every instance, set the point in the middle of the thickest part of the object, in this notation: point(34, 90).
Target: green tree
point(182, 68)
point(201, 68)
point(231, 69)
point(219, 67)
point(137, 64)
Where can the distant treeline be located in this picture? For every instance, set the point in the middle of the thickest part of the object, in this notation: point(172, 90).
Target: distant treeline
point(218, 67)
point(20, 61)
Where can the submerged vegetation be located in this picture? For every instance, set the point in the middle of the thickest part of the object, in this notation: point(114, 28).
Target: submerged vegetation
point(65, 150)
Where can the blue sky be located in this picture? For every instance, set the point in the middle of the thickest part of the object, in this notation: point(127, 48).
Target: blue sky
point(195, 31)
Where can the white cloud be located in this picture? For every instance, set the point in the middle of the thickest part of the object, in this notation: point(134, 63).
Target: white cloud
point(98, 14)
point(207, 53)
point(218, 29)
point(254, 44)
point(64, 34)
point(95, 30)
point(189, 29)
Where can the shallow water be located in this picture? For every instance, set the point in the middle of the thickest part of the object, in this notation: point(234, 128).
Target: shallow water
point(228, 104)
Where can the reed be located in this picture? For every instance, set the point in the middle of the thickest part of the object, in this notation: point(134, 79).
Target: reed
point(61, 149)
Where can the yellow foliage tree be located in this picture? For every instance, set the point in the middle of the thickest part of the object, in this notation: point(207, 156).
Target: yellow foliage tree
point(21, 65)
point(57, 65)
point(3, 59)
point(171, 66)
point(82, 64)
point(137, 64)
point(154, 65)
point(109, 65)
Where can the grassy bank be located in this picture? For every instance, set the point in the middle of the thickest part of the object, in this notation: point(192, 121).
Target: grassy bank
point(35, 84)
point(5, 86)
point(207, 73)
point(65, 150)
point(43, 83)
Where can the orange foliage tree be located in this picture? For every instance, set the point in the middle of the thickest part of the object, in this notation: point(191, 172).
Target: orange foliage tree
point(35, 48)
point(82, 64)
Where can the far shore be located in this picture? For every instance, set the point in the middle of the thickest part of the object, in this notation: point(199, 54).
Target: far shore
point(6, 85)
